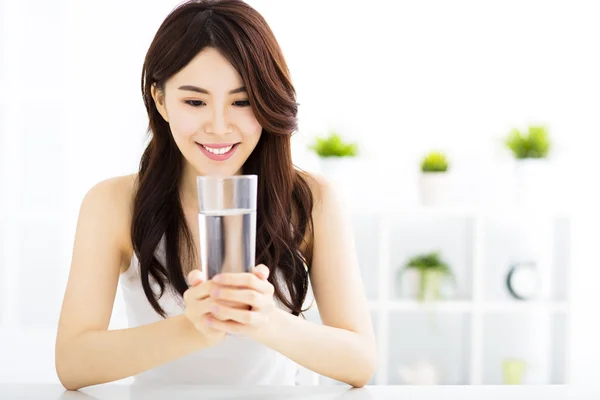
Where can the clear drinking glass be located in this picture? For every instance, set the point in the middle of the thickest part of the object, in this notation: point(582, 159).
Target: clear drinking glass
point(227, 223)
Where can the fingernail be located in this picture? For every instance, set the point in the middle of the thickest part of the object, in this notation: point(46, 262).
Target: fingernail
point(218, 278)
point(214, 293)
point(214, 308)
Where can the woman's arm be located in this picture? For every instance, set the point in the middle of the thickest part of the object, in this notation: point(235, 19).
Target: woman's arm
point(86, 352)
point(343, 348)
point(95, 356)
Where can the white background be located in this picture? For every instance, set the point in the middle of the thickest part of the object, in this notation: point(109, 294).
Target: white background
point(400, 77)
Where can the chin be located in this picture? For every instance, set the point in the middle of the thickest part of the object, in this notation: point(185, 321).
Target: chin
point(225, 171)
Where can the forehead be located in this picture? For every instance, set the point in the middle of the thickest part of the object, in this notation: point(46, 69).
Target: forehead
point(209, 70)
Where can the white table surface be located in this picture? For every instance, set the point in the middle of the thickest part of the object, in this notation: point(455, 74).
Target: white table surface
point(126, 392)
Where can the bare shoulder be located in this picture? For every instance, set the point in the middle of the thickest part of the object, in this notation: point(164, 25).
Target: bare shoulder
point(111, 197)
point(111, 200)
point(118, 188)
point(328, 215)
point(323, 192)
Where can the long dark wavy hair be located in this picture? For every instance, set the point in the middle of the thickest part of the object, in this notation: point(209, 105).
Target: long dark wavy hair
point(285, 200)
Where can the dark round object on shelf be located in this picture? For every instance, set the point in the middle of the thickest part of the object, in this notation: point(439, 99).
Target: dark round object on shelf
point(523, 281)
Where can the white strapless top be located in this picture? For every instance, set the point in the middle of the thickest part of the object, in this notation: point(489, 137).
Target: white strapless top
point(237, 360)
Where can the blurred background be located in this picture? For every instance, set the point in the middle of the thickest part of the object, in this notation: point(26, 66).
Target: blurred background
point(463, 135)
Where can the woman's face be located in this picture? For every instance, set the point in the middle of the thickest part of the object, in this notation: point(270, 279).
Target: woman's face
point(209, 114)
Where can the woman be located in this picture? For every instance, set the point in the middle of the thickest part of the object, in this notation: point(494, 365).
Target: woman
point(220, 102)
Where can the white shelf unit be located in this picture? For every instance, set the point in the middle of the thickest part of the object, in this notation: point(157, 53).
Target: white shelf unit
point(469, 335)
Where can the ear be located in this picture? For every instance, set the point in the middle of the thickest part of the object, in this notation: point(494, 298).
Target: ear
point(159, 101)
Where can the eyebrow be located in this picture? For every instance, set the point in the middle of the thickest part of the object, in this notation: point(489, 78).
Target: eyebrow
point(192, 88)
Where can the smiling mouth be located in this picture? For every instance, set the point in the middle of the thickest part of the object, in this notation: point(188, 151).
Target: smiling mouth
point(218, 152)
point(218, 149)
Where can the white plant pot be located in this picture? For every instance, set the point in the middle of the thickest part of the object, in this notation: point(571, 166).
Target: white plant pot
point(532, 183)
point(434, 188)
point(409, 283)
point(341, 172)
point(420, 373)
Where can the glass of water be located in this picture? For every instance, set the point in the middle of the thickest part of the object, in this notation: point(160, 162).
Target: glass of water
point(227, 223)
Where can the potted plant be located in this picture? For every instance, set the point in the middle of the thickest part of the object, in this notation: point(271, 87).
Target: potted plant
point(434, 179)
point(429, 273)
point(531, 152)
point(337, 159)
point(333, 147)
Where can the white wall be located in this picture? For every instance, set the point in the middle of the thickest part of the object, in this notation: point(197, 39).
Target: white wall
point(400, 77)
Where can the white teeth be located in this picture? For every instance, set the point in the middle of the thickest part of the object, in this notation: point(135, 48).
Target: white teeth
point(222, 150)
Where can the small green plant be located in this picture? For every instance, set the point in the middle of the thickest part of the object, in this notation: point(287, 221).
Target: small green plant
point(429, 261)
point(432, 271)
point(535, 144)
point(434, 161)
point(334, 146)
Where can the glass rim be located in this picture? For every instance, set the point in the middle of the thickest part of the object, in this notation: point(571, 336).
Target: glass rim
point(226, 178)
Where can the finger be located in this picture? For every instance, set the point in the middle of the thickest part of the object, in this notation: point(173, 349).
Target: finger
point(261, 271)
point(194, 277)
point(244, 296)
point(226, 326)
point(233, 304)
point(206, 322)
point(245, 317)
point(198, 310)
point(198, 292)
point(245, 280)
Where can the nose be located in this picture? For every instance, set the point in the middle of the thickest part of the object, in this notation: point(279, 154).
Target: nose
point(219, 123)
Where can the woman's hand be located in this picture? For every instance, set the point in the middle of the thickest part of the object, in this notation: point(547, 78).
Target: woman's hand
point(249, 289)
point(198, 305)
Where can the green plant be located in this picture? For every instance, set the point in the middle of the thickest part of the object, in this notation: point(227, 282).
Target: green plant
point(535, 144)
point(432, 271)
point(434, 161)
point(429, 261)
point(334, 146)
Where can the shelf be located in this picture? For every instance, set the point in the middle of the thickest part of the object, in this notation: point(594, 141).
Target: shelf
point(525, 307)
point(451, 237)
point(460, 212)
point(537, 340)
point(545, 243)
point(371, 304)
point(442, 341)
point(466, 306)
point(417, 306)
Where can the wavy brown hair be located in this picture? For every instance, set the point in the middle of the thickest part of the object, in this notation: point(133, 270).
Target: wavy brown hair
point(285, 200)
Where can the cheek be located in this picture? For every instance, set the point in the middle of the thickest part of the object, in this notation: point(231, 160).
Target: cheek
point(183, 123)
point(184, 129)
point(250, 128)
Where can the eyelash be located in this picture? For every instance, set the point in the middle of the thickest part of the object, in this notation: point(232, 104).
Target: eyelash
point(195, 103)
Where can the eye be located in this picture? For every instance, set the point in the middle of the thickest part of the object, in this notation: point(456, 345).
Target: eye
point(194, 103)
point(242, 103)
